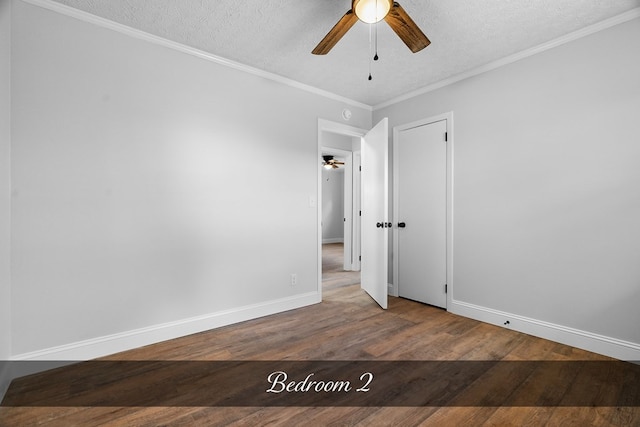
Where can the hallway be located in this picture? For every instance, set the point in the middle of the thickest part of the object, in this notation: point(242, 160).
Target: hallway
point(333, 273)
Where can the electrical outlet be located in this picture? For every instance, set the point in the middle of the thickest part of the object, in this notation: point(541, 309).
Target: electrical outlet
point(294, 279)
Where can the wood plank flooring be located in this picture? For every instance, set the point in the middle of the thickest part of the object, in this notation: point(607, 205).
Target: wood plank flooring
point(333, 274)
point(347, 325)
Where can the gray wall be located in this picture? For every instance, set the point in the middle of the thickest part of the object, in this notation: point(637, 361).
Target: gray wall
point(547, 183)
point(341, 142)
point(5, 187)
point(332, 205)
point(143, 188)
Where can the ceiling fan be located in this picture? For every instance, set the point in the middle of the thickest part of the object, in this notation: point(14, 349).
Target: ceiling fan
point(372, 11)
point(331, 163)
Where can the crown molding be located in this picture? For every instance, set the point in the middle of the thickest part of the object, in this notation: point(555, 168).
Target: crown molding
point(142, 35)
point(139, 34)
point(583, 32)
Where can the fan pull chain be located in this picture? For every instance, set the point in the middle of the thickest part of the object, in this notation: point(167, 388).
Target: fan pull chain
point(373, 44)
point(370, 44)
point(375, 58)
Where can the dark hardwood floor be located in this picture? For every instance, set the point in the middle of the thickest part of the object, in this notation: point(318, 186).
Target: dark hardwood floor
point(348, 325)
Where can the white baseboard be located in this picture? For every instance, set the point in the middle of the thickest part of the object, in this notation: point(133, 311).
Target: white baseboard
point(106, 345)
point(333, 240)
point(612, 347)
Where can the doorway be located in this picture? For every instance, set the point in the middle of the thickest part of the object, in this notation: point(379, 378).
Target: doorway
point(339, 261)
point(340, 225)
point(339, 203)
point(374, 226)
point(423, 210)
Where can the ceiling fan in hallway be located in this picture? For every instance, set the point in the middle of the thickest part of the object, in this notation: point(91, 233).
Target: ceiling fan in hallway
point(331, 163)
point(373, 11)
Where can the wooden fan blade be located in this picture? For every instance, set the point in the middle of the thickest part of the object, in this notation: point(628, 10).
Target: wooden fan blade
point(336, 33)
point(406, 29)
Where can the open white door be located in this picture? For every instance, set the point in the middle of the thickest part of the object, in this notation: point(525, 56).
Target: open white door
point(375, 224)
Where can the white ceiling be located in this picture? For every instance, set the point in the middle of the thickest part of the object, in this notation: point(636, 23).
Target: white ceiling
point(278, 35)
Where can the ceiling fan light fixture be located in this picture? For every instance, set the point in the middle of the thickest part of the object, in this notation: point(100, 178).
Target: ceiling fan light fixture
point(331, 163)
point(371, 11)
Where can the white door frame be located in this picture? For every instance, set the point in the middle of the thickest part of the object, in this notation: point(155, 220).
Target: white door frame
point(357, 206)
point(341, 129)
point(396, 138)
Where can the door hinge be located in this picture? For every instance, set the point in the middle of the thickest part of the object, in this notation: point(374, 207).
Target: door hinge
point(360, 258)
point(445, 288)
point(360, 213)
point(360, 168)
point(446, 136)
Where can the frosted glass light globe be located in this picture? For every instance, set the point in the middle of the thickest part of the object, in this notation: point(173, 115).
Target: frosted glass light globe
point(371, 11)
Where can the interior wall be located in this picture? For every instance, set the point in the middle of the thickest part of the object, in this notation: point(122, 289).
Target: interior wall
point(546, 195)
point(332, 205)
point(143, 187)
point(336, 140)
point(5, 186)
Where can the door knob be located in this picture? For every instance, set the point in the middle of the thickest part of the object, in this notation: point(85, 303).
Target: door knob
point(401, 225)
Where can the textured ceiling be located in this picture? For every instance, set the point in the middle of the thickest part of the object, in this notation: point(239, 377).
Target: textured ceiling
point(278, 35)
